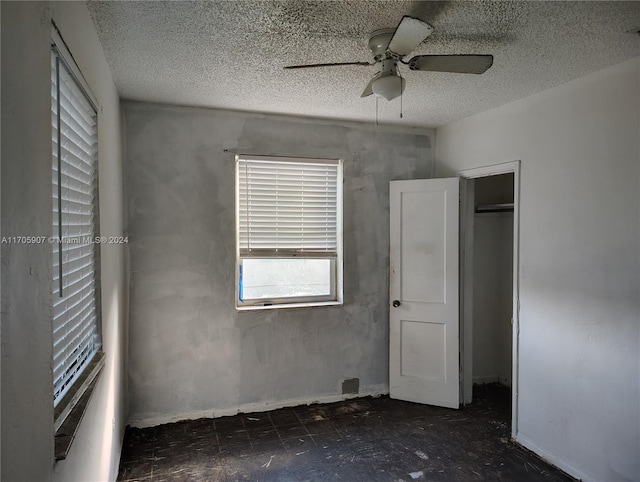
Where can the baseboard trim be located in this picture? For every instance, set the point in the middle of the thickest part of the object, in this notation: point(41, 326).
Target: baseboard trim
point(553, 459)
point(504, 381)
point(144, 422)
point(492, 379)
point(485, 379)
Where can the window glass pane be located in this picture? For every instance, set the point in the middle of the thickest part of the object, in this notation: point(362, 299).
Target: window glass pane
point(264, 278)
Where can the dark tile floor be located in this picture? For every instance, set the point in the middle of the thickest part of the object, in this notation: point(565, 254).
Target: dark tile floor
point(366, 439)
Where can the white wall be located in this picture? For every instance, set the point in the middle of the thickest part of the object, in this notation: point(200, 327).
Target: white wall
point(191, 353)
point(27, 398)
point(579, 263)
point(27, 387)
point(492, 297)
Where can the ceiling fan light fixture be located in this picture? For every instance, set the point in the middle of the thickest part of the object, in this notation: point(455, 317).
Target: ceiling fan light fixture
point(388, 87)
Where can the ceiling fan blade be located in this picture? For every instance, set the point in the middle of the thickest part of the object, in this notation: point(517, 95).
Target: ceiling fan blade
point(309, 66)
point(368, 90)
point(462, 64)
point(410, 32)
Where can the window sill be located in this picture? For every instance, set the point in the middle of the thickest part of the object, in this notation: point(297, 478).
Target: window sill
point(288, 305)
point(72, 407)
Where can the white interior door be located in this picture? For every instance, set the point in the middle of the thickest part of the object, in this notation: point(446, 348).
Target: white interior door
point(424, 326)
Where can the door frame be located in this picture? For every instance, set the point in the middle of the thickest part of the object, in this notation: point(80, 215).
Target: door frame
point(467, 212)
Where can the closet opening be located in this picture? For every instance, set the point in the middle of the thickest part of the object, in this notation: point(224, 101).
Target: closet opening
point(489, 287)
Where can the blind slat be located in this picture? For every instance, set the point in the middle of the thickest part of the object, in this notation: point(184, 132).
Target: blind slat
point(66, 334)
point(69, 331)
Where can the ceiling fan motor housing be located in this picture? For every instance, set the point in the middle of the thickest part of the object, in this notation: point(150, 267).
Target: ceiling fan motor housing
point(379, 41)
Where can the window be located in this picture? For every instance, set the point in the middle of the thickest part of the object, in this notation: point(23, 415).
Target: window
point(288, 232)
point(75, 290)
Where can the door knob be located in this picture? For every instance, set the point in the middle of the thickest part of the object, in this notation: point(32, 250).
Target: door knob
point(396, 303)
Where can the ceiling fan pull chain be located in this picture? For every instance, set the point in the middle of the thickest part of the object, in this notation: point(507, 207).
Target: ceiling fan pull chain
point(401, 98)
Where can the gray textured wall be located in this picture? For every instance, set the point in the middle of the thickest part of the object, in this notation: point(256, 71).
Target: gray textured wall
point(190, 350)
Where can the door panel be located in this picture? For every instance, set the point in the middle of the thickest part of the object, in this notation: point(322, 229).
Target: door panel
point(422, 350)
point(422, 273)
point(423, 358)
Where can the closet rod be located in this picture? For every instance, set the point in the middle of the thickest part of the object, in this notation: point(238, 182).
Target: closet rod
point(495, 208)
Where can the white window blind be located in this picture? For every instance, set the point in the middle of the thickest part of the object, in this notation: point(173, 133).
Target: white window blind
point(287, 207)
point(76, 324)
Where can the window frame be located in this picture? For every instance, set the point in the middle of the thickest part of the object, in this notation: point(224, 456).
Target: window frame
point(335, 297)
point(69, 405)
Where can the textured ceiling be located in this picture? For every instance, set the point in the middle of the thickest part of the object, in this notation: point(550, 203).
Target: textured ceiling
point(230, 54)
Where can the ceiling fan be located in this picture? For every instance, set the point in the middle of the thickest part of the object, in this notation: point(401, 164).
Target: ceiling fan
point(389, 46)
